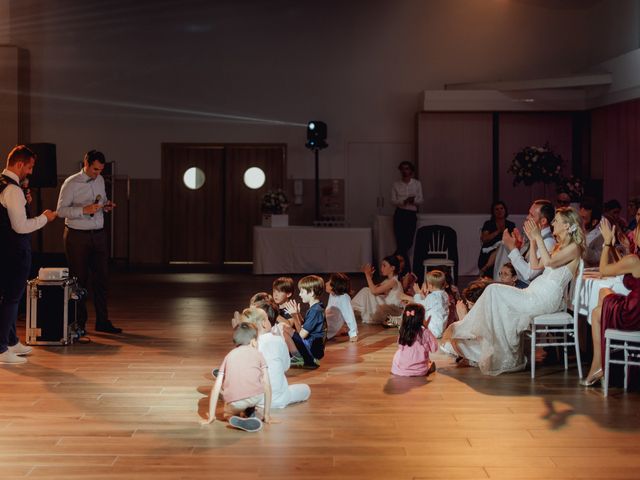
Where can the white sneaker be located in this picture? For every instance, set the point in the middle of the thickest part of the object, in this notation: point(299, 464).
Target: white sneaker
point(11, 358)
point(20, 349)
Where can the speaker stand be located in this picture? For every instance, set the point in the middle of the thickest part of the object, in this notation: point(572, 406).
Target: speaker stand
point(317, 183)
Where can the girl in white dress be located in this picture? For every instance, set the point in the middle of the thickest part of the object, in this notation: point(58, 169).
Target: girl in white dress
point(490, 334)
point(376, 302)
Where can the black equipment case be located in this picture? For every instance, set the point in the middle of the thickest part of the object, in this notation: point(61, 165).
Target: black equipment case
point(51, 312)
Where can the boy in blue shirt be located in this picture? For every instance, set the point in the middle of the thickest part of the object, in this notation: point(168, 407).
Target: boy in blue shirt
point(310, 335)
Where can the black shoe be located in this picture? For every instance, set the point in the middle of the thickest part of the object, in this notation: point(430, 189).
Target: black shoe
point(107, 328)
point(246, 424)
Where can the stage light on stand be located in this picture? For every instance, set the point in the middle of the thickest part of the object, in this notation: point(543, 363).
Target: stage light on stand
point(316, 135)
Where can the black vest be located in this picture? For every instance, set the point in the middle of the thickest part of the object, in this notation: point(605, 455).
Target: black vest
point(8, 236)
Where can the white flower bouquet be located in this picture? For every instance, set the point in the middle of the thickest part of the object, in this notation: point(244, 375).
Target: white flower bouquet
point(536, 165)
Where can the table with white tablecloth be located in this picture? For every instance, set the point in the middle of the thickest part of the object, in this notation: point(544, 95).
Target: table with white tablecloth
point(310, 249)
point(590, 290)
point(467, 227)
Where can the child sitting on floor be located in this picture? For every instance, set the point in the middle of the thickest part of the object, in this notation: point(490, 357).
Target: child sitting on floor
point(415, 343)
point(276, 354)
point(264, 301)
point(407, 279)
point(309, 336)
point(282, 292)
point(376, 302)
point(435, 301)
point(244, 381)
point(339, 311)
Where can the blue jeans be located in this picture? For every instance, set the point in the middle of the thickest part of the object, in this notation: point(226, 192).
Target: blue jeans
point(309, 349)
point(14, 273)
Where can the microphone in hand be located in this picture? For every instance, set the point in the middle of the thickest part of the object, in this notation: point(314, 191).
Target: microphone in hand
point(24, 184)
point(96, 202)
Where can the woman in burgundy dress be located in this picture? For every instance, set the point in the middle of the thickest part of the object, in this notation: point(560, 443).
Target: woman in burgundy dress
point(614, 311)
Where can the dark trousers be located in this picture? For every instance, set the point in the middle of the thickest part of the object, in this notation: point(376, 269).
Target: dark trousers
point(15, 264)
point(87, 253)
point(404, 229)
point(308, 354)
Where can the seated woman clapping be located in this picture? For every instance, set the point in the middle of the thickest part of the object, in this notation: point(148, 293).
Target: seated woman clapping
point(491, 236)
point(376, 302)
point(614, 310)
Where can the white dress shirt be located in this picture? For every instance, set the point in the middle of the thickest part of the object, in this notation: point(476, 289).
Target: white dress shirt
point(78, 191)
point(13, 199)
point(401, 191)
point(523, 268)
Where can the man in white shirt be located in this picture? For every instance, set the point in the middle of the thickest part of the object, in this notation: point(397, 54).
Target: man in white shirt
point(15, 248)
point(406, 195)
point(82, 203)
point(541, 212)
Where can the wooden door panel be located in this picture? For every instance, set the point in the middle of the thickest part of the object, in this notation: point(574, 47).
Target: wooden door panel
point(243, 203)
point(193, 218)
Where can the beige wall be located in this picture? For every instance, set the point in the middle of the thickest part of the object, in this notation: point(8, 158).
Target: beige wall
point(613, 29)
point(360, 66)
point(124, 77)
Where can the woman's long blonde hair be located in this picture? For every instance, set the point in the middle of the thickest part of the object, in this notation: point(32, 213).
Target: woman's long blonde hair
point(576, 230)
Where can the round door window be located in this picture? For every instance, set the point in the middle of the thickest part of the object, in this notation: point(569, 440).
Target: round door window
point(254, 178)
point(193, 178)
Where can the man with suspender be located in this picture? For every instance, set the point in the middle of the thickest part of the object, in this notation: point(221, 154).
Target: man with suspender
point(15, 249)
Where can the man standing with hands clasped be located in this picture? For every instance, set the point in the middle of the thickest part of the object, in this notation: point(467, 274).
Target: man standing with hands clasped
point(406, 195)
point(82, 203)
point(15, 248)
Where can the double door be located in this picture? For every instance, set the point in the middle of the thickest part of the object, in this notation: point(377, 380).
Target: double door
point(213, 223)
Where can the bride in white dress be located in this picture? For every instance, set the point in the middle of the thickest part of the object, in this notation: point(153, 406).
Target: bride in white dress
point(490, 335)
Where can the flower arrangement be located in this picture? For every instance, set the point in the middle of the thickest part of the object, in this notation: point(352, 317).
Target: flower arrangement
point(536, 164)
point(275, 202)
point(573, 186)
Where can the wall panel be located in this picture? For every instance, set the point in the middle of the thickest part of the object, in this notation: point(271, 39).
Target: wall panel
point(455, 161)
point(615, 150)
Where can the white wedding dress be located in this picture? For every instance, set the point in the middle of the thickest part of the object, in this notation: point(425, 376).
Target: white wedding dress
point(491, 333)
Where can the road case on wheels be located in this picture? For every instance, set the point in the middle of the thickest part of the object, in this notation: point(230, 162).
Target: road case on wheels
point(51, 311)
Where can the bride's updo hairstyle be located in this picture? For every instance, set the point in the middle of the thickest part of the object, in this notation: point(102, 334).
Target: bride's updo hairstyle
point(576, 231)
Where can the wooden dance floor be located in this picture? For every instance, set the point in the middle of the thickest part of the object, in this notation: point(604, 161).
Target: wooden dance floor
point(129, 406)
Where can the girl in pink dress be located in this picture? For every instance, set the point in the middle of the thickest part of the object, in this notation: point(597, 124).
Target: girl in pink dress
point(415, 342)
